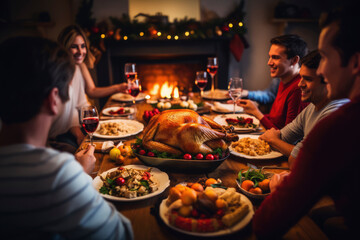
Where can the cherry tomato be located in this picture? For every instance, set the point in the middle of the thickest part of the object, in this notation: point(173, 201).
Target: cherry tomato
point(199, 156)
point(120, 181)
point(220, 212)
point(187, 156)
point(142, 152)
point(195, 213)
point(151, 154)
point(146, 176)
point(209, 157)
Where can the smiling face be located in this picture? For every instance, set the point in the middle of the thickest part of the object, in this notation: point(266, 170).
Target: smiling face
point(312, 90)
point(338, 78)
point(78, 49)
point(280, 65)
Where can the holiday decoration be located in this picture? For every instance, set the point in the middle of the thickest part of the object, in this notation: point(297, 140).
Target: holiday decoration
point(157, 27)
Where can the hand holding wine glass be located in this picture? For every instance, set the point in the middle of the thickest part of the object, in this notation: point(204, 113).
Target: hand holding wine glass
point(201, 81)
point(130, 71)
point(235, 89)
point(89, 118)
point(212, 67)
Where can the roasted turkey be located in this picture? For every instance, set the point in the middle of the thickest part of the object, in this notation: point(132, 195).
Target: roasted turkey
point(184, 131)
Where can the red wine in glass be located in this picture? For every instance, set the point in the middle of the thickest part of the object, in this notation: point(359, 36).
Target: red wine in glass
point(89, 118)
point(134, 91)
point(201, 83)
point(212, 69)
point(90, 124)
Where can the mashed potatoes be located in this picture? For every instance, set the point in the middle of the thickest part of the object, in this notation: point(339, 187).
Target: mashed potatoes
point(252, 147)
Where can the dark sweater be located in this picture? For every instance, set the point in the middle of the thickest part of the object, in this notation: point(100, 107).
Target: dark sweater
point(328, 164)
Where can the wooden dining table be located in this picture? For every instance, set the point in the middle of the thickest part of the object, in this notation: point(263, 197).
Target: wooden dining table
point(144, 214)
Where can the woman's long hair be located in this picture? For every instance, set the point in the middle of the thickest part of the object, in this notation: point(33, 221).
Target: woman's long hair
point(67, 37)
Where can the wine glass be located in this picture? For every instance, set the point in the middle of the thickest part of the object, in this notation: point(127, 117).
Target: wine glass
point(212, 67)
point(201, 81)
point(235, 89)
point(130, 71)
point(89, 118)
point(134, 90)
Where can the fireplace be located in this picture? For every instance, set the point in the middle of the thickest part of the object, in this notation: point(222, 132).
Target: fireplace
point(171, 62)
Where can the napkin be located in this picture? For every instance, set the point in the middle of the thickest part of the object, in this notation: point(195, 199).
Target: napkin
point(223, 107)
point(100, 146)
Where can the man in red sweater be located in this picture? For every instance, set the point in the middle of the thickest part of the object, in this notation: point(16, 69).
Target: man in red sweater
point(328, 163)
point(284, 56)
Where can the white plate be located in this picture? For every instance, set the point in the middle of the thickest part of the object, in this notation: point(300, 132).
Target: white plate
point(162, 177)
point(221, 119)
point(106, 111)
point(271, 155)
point(123, 97)
point(138, 127)
point(238, 226)
point(219, 94)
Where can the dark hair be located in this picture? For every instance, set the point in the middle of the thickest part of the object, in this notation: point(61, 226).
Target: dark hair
point(67, 37)
point(31, 67)
point(295, 46)
point(312, 61)
point(346, 40)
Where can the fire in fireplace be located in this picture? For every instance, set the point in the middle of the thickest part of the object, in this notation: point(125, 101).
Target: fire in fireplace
point(167, 80)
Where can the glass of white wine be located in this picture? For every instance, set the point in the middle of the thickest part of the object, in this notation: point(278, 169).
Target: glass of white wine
point(235, 89)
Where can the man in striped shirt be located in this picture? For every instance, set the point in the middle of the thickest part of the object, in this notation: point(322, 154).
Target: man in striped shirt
point(44, 194)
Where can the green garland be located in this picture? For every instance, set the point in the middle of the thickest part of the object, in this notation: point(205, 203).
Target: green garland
point(124, 29)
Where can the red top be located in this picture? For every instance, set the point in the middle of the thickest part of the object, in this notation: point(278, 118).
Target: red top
point(327, 165)
point(286, 107)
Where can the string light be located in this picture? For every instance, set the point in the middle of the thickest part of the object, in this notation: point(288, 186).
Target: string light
point(102, 35)
point(159, 34)
point(230, 25)
point(141, 34)
point(176, 37)
point(125, 37)
point(187, 34)
point(168, 37)
point(241, 24)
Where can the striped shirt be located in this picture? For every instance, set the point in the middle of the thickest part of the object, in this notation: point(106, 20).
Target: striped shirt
point(46, 194)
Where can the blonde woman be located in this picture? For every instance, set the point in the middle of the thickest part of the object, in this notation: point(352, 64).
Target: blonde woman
point(66, 129)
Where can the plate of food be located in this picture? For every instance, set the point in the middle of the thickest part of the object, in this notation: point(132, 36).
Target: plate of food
point(218, 94)
point(205, 211)
point(123, 97)
point(131, 183)
point(241, 122)
point(254, 183)
point(251, 147)
point(118, 128)
point(118, 111)
point(226, 108)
